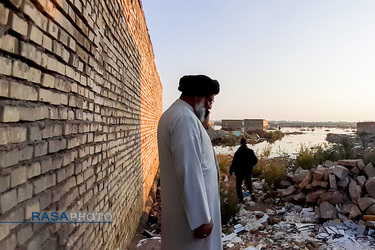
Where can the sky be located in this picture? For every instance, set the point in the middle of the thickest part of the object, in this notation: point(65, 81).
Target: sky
point(310, 60)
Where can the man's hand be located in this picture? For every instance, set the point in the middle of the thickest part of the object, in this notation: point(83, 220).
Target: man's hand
point(203, 230)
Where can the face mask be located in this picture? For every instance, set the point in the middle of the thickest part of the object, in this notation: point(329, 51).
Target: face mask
point(200, 110)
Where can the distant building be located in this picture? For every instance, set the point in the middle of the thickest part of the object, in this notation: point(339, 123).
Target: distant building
point(234, 124)
point(246, 124)
point(255, 124)
point(366, 127)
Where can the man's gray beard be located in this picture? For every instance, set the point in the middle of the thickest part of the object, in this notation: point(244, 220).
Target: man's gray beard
point(200, 110)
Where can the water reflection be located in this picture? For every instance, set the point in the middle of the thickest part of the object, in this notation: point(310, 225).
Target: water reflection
point(291, 143)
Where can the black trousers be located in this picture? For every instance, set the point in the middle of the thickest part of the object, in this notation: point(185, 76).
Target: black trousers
point(248, 183)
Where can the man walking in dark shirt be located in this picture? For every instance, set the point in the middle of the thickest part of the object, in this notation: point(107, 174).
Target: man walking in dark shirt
point(242, 165)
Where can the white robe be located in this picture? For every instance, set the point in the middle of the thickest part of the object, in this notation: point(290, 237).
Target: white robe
point(189, 181)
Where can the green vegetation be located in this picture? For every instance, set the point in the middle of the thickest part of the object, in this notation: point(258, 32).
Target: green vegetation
point(228, 140)
point(229, 202)
point(310, 156)
point(272, 170)
point(228, 196)
point(273, 136)
point(224, 163)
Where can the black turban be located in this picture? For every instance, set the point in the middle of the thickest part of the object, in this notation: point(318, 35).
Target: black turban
point(198, 85)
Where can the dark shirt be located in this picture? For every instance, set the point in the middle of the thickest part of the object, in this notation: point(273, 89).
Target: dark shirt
point(243, 161)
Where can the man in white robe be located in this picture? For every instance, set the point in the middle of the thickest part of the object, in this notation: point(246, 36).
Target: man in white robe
point(188, 171)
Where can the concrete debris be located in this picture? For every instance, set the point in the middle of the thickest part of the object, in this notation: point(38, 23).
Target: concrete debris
point(228, 237)
point(334, 184)
point(150, 243)
point(285, 225)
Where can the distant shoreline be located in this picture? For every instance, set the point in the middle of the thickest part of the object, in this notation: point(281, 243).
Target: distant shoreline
point(298, 124)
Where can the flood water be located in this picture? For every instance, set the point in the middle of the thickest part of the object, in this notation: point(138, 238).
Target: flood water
point(290, 144)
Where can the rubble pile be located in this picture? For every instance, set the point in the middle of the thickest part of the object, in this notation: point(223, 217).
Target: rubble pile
point(292, 227)
point(344, 190)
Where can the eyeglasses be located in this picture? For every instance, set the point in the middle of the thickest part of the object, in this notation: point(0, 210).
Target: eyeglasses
point(209, 100)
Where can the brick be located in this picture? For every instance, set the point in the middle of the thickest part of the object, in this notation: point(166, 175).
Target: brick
point(62, 85)
point(9, 43)
point(70, 171)
point(65, 55)
point(8, 158)
point(16, 3)
point(88, 172)
point(51, 243)
point(18, 24)
point(68, 158)
point(25, 192)
point(4, 230)
point(26, 153)
point(12, 135)
point(8, 200)
point(59, 191)
point(44, 62)
point(53, 29)
point(54, 113)
point(42, 183)
point(57, 162)
point(4, 14)
point(48, 131)
point(47, 42)
point(30, 52)
point(46, 95)
point(63, 99)
point(34, 75)
point(18, 176)
point(23, 92)
point(72, 44)
point(57, 48)
point(46, 165)
point(20, 69)
point(35, 243)
point(56, 145)
point(48, 81)
point(4, 88)
point(64, 37)
point(34, 170)
point(9, 242)
point(4, 183)
point(10, 114)
point(29, 9)
point(6, 66)
point(33, 113)
point(61, 175)
point(40, 149)
point(42, 22)
point(36, 35)
point(71, 182)
point(73, 142)
point(24, 234)
point(17, 214)
point(35, 133)
point(31, 206)
point(45, 199)
point(66, 200)
point(53, 64)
